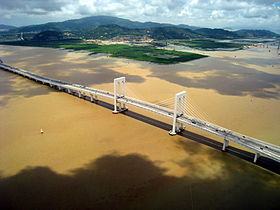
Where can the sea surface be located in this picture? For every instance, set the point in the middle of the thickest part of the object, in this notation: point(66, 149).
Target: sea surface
point(89, 157)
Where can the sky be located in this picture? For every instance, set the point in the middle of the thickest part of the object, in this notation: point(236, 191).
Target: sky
point(229, 14)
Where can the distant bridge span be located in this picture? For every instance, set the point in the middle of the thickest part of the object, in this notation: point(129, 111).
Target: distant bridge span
point(180, 119)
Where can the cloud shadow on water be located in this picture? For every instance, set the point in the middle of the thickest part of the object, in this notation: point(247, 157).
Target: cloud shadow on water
point(55, 64)
point(264, 62)
point(222, 76)
point(86, 75)
point(135, 182)
point(27, 89)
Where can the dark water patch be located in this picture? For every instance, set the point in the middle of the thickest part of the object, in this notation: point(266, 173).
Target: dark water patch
point(5, 82)
point(52, 64)
point(264, 62)
point(85, 74)
point(31, 57)
point(26, 89)
point(58, 65)
point(223, 77)
point(135, 182)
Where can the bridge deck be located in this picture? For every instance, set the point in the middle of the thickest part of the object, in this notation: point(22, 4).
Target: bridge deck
point(259, 147)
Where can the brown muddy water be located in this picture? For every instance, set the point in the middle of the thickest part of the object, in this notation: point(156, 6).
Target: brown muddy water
point(90, 158)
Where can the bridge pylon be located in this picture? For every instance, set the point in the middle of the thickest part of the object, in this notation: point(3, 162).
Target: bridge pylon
point(179, 108)
point(119, 92)
point(225, 144)
point(93, 97)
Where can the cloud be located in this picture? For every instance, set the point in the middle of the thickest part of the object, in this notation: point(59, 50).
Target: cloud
point(31, 5)
point(205, 13)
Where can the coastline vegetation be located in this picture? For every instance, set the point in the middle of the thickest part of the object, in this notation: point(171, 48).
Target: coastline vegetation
point(207, 44)
point(141, 53)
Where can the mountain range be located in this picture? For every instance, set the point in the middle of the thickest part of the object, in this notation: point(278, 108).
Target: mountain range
point(92, 22)
point(6, 27)
point(169, 32)
point(96, 27)
point(157, 33)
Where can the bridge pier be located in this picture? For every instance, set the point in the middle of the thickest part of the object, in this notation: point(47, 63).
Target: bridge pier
point(225, 145)
point(79, 94)
point(93, 98)
point(119, 92)
point(257, 155)
point(69, 91)
point(179, 108)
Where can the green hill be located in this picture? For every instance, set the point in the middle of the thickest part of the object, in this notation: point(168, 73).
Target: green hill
point(108, 32)
point(157, 33)
point(163, 33)
point(217, 33)
point(106, 27)
point(93, 22)
point(256, 34)
point(89, 22)
point(48, 36)
point(6, 27)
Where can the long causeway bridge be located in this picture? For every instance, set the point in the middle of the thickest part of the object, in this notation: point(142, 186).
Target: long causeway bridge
point(177, 115)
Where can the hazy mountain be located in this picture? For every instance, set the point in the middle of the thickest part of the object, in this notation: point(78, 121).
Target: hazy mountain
point(217, 33)
point(108, 27)
point(158, 33)
point(256, 33)
point(48, 36)
point(108, 32)
point(162, 33)
point(94, 21)
point(89, 22)
point(6, 27)
point(188, 27)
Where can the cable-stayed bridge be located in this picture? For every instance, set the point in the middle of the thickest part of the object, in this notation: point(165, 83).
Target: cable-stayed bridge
point(182, 113)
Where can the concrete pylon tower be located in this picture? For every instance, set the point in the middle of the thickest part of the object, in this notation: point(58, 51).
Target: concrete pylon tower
point(119, 93)
point(21, 36)
point(179, 108)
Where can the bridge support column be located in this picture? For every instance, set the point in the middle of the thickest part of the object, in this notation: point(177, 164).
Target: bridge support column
point(225, 145)
point(257, 155)
point(79, 94)
point(59, 88)
point(119, 92)
point(93, 98)
point(69, 91)
point(179, 108)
